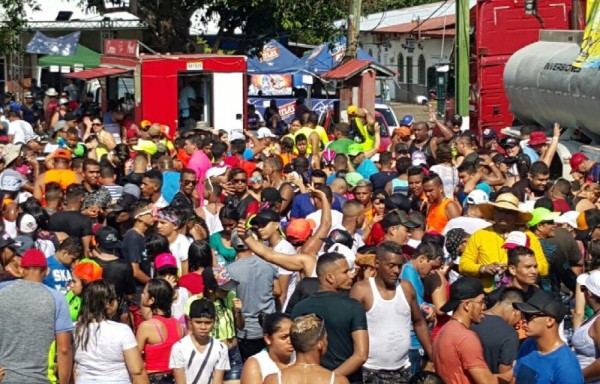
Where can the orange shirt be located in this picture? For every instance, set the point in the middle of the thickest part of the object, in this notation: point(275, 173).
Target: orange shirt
point(436, 216)
point(64, 177)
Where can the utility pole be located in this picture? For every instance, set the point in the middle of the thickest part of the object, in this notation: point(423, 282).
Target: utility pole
point(355, 7)
point(462, 58)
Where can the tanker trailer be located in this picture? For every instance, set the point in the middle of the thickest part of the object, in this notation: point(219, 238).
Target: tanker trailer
point(543, 88)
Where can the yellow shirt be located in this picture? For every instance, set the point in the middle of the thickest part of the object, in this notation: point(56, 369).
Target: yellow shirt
point(485, 247)
point(369, 142)
point(323, 138)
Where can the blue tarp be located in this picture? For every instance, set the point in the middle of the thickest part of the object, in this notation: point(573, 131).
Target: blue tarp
point(322, 58)
point(62, 46)
point(275, 59)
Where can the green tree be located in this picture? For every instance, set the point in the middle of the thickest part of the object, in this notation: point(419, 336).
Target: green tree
point(13, 22)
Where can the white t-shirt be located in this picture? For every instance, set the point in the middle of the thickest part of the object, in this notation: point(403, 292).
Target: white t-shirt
point(185, 355)
point(469, 224)
point(103, 361)
point(284, 246)
point(336, 217)
point(358, 240)
point(449, 176)
point(179, 248)
point(20, 129)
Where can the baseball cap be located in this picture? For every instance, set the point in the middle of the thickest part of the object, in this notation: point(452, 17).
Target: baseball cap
point(396, 218)
point(271, 195)
point(11, 180)
point(537, 138)
point(339, 236)
point(23, 243)
point(352, 178)
point(354, 149)
point(264, 217)
point(576, 161)
point(456, 120)
point(397, 201)
point(403, 132)
point(264, 132)
point(61, 154)
point(418, 158)
point(352, 110)
point(476, 197)
point(299, 229)
point(7, 241)
point(27, 224)
point(88, 271)
point(145, 123)
point(542, 214)
point(132, 189)
point(516, 239)
point(132, 133)
point(328, 156)
point(202, 308)
point(33, 258)
point(146, 146)
point(462, 289)
point(570, 218)
point(509, 142)
point(591, 281)
point(165, 260)
point(59, 125)
point(215, 171)
point(107, 238)
point(541, 303)
point(70, 116)
point(407, 120)
point(223, 278)
point(236, 241)
point(489, 134)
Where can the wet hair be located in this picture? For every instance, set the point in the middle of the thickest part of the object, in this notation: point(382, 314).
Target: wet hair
point(162, 293)
point(544, 202)
point(199, 255)
point(414, 171)
point(156, 245)
point(515, 254)
point(271, 322)
point(73, 246)
point(430, 250)
point(229, 211)
point(539, 168)
point(388, 247)
point(326, 260)
point(95, 298)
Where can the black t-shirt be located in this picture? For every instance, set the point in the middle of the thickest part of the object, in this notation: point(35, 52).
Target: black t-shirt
point(380, 179)
point(73, 223)
point(519, 189)
point(499, 340)
point(134, 250)
point(342, 316)
point(120, 273)
point(305, 288)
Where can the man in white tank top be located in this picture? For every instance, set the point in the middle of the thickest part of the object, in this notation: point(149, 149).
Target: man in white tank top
point(390, 308)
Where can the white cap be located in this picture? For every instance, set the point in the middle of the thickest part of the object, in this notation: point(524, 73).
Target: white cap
point(375, 158)
point(527, 206)
point(236, 135)
point(516, 239)
point(569, 218)
point(28, 224)
point(476, 197)
point(215, 171)
point(264, 132)
point(591, 281)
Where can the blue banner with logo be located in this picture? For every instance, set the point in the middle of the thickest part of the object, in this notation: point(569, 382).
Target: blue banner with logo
point(287, 107)
point(62, 46)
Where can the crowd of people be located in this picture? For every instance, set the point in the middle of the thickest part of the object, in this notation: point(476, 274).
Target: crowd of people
point(145, 255)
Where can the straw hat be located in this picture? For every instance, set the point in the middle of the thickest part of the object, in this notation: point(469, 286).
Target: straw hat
point(505, 201)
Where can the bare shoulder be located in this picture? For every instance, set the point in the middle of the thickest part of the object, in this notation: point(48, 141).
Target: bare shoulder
point(359, 289)
point(408, 289)
point(271, 379)
point(341, 379)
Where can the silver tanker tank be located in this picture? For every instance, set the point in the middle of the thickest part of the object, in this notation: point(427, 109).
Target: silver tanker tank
point(543, 87)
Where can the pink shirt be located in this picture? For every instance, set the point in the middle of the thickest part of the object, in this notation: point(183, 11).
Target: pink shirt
point(200, 163)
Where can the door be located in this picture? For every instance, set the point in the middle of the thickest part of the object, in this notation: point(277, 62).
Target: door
point(228, 101)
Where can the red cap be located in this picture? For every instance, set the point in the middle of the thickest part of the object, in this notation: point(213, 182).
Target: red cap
point(165, 260)
point(576, 161)
point(33, 258)
point(537, 138)
point(62, 154)
point(299, 229)
point(132, 133)
point(88, 271)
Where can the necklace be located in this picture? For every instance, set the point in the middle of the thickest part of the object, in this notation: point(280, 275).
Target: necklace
point(553, 348)
point(460, 321)
point(304, 365)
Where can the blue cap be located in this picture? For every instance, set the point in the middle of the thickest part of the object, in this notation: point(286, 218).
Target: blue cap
point(489, 133)
point(407, 120)
point(248, 154)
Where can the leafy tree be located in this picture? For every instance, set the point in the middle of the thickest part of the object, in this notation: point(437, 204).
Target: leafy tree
point(13, 22)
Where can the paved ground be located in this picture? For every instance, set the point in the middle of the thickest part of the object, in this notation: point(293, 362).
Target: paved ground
point(418, 111)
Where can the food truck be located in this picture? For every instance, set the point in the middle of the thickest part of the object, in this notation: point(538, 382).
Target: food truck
point(149, 86)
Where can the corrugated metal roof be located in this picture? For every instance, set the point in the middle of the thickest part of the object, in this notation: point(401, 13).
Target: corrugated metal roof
point(347, 69)
point(429, 25)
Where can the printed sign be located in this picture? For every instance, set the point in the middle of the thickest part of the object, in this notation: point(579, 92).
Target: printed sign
point(122, 48)
point(270, 85)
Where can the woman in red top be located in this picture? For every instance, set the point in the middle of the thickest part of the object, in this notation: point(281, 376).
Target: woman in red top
point(199, 257)
point(157, 335)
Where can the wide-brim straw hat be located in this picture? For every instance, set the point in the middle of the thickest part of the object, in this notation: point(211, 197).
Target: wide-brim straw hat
point(505, 201)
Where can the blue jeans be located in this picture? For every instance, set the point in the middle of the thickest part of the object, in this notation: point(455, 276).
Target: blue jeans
point(235, 363)
point(415, 356)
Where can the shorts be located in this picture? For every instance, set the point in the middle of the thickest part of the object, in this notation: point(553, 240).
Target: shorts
point(371, 376)
point(235, 363)
point(161, 378)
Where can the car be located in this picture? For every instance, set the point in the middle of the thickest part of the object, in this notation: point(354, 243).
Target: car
point(388, 114)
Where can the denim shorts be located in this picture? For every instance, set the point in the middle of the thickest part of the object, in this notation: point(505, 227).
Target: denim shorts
point(236, 364)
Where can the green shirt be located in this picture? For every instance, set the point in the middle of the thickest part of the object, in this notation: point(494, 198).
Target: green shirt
point(341, 145)
point(342, 316)
point(216, 242)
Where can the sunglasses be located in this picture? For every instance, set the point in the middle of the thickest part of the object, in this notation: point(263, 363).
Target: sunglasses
point(256, 179)
point(96, 124)
point(239, 181)
point(145, 129)
point(190, 182)
point(532, 316)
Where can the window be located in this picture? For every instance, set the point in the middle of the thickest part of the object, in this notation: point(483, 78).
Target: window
point(409, 70)
point(421, 75)
point(400, 67)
